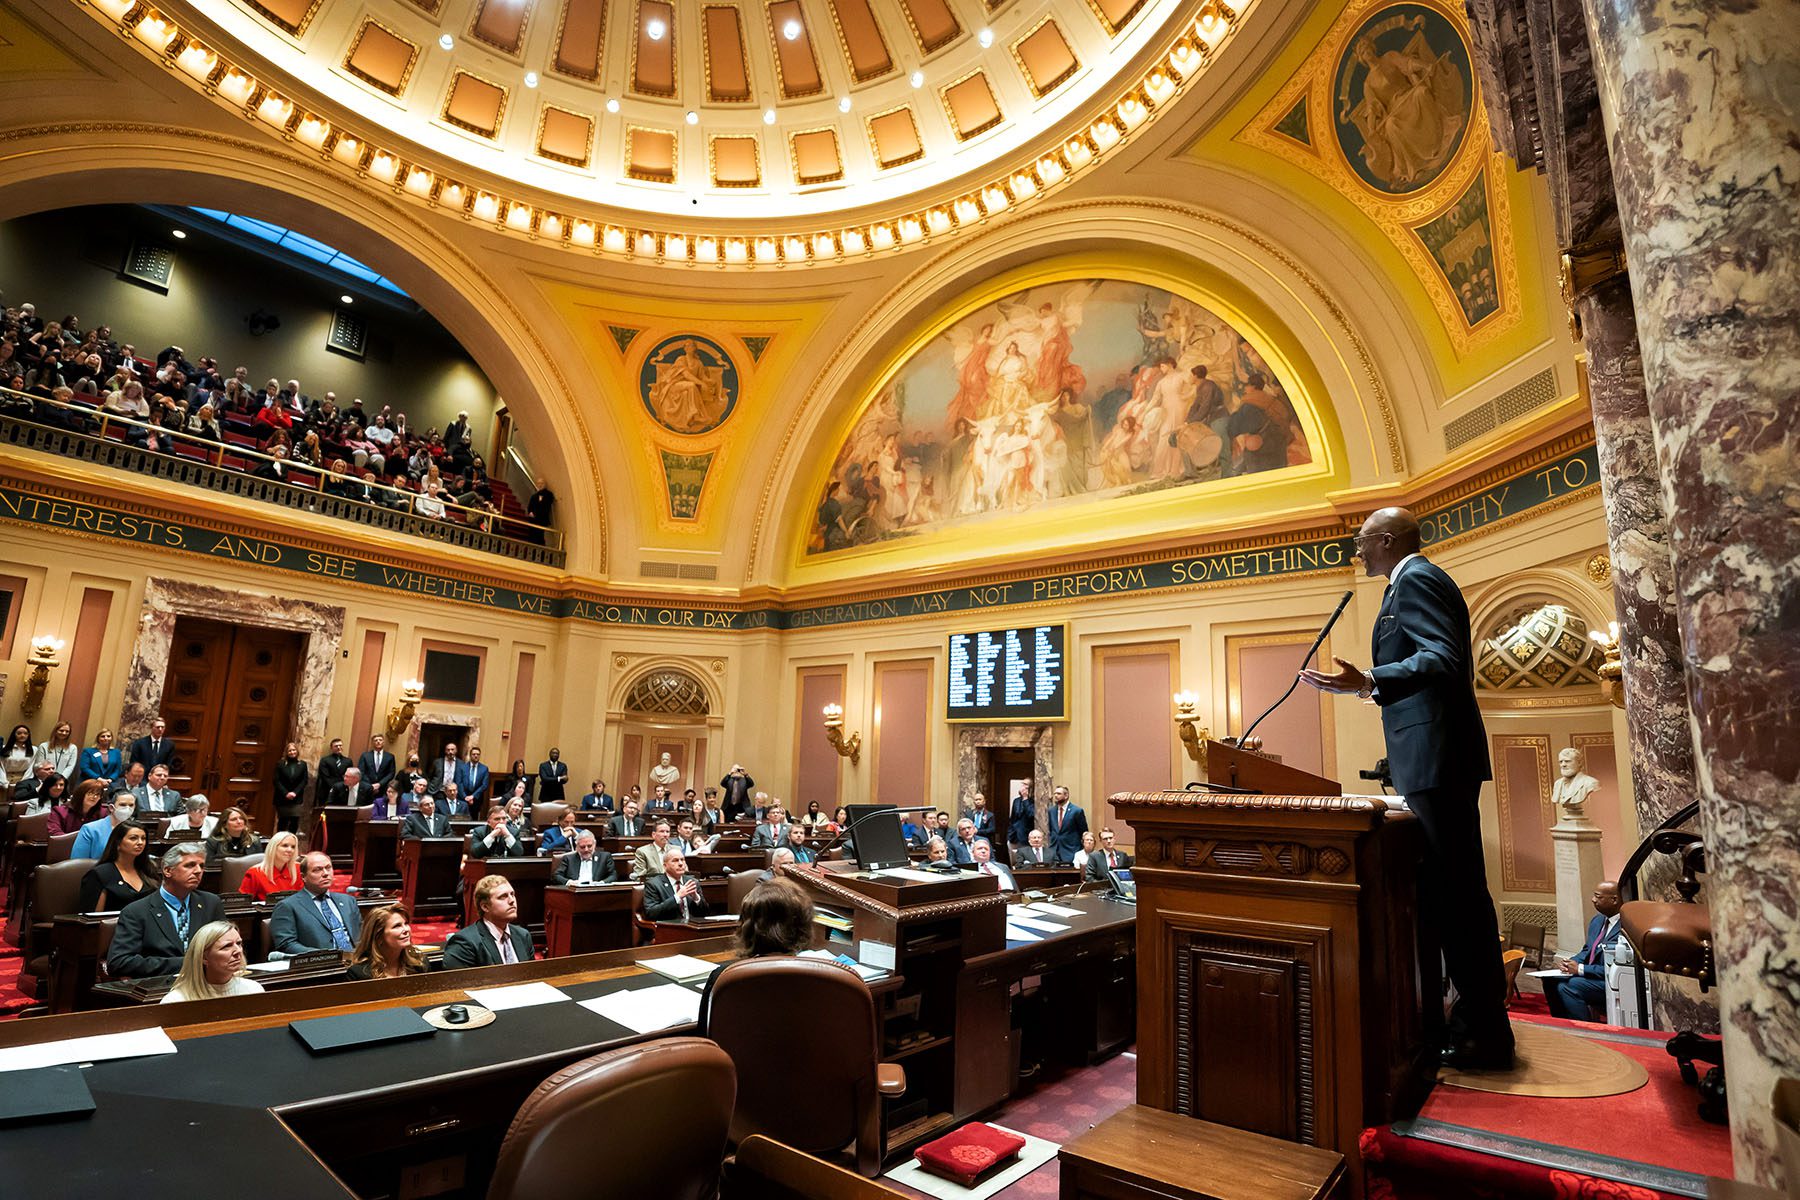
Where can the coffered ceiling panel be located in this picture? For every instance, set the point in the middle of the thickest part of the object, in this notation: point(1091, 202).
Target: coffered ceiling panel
point(863, 44)
point(971, 105)
point(798, 68)
point(727, 71)
point(1045, 58)
point(580, 38)
point(475, 104)
point(653, 57)
point(932, 23)
point(501, 23)
point(381, 57)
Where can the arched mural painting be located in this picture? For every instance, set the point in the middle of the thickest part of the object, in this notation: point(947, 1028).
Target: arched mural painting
point(1061, 393)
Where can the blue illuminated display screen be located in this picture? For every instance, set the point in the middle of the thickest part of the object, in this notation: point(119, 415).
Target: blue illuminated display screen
point(1008, 675)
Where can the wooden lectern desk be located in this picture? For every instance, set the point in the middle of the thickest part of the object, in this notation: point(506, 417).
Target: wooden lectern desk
point(1283, 985)
point(430, 869)
point(588, 918)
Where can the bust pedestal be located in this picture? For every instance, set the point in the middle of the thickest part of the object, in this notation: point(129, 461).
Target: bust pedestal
point(1577, 846)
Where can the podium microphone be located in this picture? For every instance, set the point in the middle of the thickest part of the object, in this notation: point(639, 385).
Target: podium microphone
point(1312, 650)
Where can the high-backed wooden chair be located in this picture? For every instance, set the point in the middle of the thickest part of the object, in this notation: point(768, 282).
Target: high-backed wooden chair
point(673, 1095)
point(61, 845)
point(840, 1105)
point(55, 891)
point(233, 870)
point(738, 886)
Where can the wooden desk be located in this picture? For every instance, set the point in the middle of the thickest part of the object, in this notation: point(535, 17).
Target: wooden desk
point(429, 870)
point(376, 858)
point(588, 919)
point(1145, 1152)
point(334, 832)
point(671, 932)
point(529, 877)
point(718, 863)
point(125, 992)
point(1036, 878)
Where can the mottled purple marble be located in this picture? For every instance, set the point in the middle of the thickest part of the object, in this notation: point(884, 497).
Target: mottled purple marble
point(1700, 108)
point(1041, 739)
point(165, 600)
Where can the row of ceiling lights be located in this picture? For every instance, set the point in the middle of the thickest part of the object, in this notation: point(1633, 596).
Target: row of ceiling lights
point(655, 30)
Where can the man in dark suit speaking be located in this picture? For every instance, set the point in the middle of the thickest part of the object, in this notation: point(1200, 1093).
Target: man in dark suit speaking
point(1424, 680)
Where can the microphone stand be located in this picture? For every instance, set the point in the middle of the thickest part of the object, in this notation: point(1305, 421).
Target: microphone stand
point(1311, 650)
point(818, 864)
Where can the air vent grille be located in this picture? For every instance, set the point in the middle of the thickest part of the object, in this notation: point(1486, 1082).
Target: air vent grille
point(651, 569)
point(1508, 406)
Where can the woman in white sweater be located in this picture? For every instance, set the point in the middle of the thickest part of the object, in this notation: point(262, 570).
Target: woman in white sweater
point(213, 966)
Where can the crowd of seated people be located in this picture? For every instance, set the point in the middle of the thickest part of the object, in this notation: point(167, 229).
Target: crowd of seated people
point(60, 375)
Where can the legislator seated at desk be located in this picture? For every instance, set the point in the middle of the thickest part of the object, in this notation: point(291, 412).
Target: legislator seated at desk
point(279, 870)
point(91, 839)
point(232, 837)
point(392, 804)
point(773, 831)
point(315, 917)
point(213, 966)
point(985, 865)
point(560, 837)
point(497, 840)
point(648, 859)
point(385, 950)
point(425, 821)
point(627, 823)
point(195, 817)
point(125, 874)
point(153, 933)
point(1107, 859)
point(1032, 853)
point(783, 857)
point(587, 863)
point(673, 895)
point(350, 789)
point(493, 939)
point(962, 846)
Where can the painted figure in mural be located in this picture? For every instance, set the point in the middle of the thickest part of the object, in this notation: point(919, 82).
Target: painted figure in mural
point(1412, 110)
point(688, 395)
point(998, 415)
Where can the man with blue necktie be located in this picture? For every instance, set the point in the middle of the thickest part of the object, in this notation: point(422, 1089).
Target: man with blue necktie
point(475, 779)
point(315, 917)
point(1581, 993)
point(153, 933)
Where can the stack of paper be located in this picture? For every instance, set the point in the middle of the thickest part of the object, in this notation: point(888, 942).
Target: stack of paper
point(1054, 910)
point(648, 1009)
point(519, 995)
point(1040, 924)
point(101, 1047)
point(682, 968)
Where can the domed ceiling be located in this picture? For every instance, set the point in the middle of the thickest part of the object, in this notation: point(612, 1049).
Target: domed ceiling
point(913, 115)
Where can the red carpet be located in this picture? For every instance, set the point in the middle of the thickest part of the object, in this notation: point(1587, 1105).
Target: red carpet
point(1639, 1146)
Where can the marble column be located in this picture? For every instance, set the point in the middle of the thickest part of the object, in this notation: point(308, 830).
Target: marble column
point(1699, 100)
point(1658, 733)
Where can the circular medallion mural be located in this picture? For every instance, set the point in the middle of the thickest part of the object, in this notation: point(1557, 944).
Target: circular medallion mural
point(1402, 98)
point(689, 384)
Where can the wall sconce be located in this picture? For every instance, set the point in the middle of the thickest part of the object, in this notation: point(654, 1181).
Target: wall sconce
point(399, 716)
point(45, 657)
point(850, 747)
point(1187, 711)
point(1612, 664)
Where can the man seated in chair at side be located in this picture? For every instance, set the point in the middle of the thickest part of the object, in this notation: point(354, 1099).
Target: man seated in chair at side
point(586, 863)
point(1031, 854)
point(985, 865)
point(648, 860)
point(497, 840)
point(1581, 993)
point(493, 939)
point(673, 895)
point(315, 917)
point(1107, 859)
point(777, 860)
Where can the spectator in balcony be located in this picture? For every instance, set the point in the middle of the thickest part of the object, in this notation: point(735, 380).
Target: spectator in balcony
point(271, 418)
point(276, 466)
point(155, 433)
point(381, 434)
point(309, 451)
point(47, 376)
point(419, 463)
point(430, 502)
point(128, 401)
point(539, 507)
point(83, 373)
point(204, 423)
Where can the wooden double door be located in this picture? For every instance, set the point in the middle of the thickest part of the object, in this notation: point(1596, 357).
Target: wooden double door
point(228, 699)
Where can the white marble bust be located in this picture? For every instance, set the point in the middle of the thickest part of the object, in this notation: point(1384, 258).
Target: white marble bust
point(665, 772)
point(1573, 787)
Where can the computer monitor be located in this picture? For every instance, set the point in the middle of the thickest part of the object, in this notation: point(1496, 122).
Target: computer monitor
point(875, 833)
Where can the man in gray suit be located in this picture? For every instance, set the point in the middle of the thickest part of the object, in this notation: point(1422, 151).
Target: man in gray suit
point(156, 796)
point(315, 917)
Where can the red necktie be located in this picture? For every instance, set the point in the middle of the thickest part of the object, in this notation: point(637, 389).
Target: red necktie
point(1110, 860)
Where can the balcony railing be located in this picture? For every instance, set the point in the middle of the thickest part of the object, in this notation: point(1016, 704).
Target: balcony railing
point(76, 430)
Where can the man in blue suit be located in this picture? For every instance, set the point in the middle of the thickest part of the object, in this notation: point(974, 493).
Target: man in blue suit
point(1423, 678)
point(1582, 993)
point(475, 780)
point(315, 917)
point(1022, 818)
point(1067, 824)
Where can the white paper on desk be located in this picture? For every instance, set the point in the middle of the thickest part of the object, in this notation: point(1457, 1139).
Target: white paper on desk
point(648, 1009)
point(1015, 934)
point(721, 917)
point(876, 954)
point(1038, 923)
point(274, 964)
point(910, 873)
point(518, 995)
point(1552, 973)
point(1055, 910)
point(682, 968)
point(135, 1043)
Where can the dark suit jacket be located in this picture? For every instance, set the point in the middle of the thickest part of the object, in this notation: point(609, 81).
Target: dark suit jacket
point(331, 773)
point(340, 794)
point(616, 827)
point(1424, 676)
point(142, 753)
point(145, 942)
point(769, 837)
point(601, 803)
point(553, 777)
point(568, 867)
point(296, 926)
point(418, 826)
point(1021, 820)
point(735, 795)
point(1065, 834)
point(1097, 869)
point(960, 854)
point(660, 903)
point(1028, 857)
point(473, 781)
point(474, 947)
point(377, 777)
point(504, 846)
point(1593, 955)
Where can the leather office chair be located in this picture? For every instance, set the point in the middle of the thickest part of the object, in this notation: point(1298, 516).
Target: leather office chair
point(55, 890)
point(826, 1096)
point(233, 870)
point(35, 828)
point(737, 887)
point(548, 814)
point(60, 847)
point(675, 1094)
point(767, 1170)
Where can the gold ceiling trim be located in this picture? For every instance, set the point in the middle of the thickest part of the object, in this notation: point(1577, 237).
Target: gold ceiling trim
point(1136, 104)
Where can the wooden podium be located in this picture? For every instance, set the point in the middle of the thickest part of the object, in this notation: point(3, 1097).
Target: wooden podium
point(429, 871)
point(1282, 984)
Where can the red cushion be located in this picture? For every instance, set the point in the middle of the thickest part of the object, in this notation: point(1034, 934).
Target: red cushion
point(969, 1152)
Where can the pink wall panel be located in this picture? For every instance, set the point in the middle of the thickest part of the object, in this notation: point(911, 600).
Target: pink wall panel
point(1295, 731)
point(815, 762)
point(1136, 733)
point(516, 740)
point(697, 776)
point(631, 767)
point(1522, 775)
point(84, 663)
point(1603, 807)
point(902, 732)
point(368, 683)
